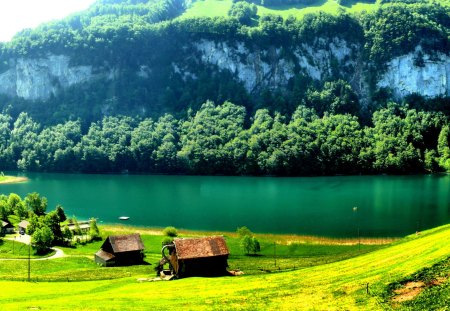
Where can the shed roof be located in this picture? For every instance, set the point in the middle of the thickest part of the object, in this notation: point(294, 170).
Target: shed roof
point(125, 243)
point(6, 224)
point(201, 247)
point(24, 224)
point(104, 255)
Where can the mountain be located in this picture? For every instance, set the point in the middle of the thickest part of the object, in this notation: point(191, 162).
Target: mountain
point(322, 87)
point(148, 58)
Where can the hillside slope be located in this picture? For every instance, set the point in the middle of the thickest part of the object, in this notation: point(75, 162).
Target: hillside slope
point(148, 58)
point(337, 286)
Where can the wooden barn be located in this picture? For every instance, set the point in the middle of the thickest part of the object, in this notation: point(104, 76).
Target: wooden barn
point(120, 250)
point(6, 228)
point(197, 256)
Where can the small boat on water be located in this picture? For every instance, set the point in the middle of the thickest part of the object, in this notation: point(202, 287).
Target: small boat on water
point(124, 217)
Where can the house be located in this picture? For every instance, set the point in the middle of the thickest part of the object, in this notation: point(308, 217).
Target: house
point(6, 228)
point(120, 250)
point(23, 225)
point(84, 226)
point(197, 256)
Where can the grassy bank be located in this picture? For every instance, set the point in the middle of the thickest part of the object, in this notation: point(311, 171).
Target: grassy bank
point(336, 286)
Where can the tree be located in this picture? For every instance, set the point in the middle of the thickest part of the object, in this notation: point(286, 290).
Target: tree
point(42, 239)
point(51, 220)
point(94, 232)
point(36, 203)
point(170, 232)
point(443, 148)
point(67, 234)
point(17, 206)
point(244, 12)
point(77, 230)
point(248, 242)
point(250, 245)
point(60, 212)
point(243, 231)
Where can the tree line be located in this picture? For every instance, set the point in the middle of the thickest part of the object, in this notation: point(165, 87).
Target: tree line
point(224, 139)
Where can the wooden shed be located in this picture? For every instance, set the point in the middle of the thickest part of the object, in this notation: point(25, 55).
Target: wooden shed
point(198, 256)
point(6, 228)
point(118, 250)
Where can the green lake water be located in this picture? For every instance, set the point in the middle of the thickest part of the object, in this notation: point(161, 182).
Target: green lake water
point(324, 206)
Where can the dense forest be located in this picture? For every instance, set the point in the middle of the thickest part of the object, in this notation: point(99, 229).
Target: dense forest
point(169, 123)
point(221, 140)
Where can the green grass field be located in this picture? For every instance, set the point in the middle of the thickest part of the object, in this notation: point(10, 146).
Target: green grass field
point(13, 249)
point(211, 8)
point(292, 252)
point(334, 286)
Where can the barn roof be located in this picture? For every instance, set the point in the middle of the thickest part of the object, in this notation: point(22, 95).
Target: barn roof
point(6, 224)
point(201, 247)
point(125, 243)
point(105, 255)
point(24, 224)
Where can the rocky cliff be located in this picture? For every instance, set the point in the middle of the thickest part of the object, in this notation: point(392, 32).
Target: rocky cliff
point(427, 75)
point(255, 67)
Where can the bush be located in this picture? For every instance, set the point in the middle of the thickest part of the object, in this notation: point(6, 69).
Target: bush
point(170, 231)
point(166, 241)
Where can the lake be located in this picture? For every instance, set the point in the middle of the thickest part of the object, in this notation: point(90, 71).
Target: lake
point(386, 206)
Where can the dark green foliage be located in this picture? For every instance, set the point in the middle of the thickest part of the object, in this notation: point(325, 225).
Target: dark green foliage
point(60, 212)
point(243, 12)
point(167, 240)
point(171, 232)
point(398, 29)
point(94, 232)
point(223, 139)
point(42, 239)
point(243, 231)
point(336, 97)
point(247, 241)
point(36, 203)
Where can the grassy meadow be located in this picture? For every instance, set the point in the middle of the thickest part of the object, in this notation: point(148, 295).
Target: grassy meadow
point(339, 285)
point(212, 8)
point(278, 253)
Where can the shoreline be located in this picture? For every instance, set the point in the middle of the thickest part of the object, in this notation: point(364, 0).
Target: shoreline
point(284, 239)
point(13, 180)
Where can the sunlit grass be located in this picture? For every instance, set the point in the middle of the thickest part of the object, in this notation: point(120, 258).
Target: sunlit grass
point(336, 286)
point(211, 8)
point(208, 8)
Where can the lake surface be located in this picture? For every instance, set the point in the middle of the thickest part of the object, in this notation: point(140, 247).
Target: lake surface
point(324, 206)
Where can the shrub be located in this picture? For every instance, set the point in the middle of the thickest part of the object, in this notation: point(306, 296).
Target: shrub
point(170, 231)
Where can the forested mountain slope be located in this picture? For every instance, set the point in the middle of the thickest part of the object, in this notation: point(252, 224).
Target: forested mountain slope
point(334, 73)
